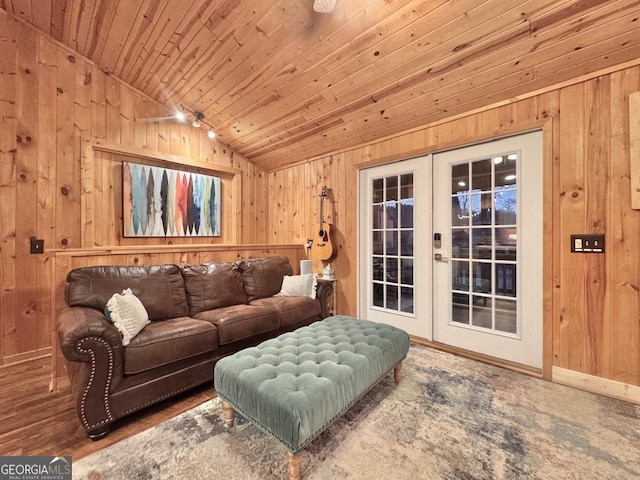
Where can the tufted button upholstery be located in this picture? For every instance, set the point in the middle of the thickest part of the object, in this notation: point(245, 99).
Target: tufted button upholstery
point(295, 385)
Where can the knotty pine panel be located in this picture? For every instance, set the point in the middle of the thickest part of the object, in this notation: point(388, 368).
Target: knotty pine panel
point(51, 99)
point(46, 188)
point(8, 151)
point(624, 269)
point(21, 335)
point(591, 301)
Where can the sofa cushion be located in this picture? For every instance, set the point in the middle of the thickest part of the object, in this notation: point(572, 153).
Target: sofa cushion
point(213, 285)
point(168, 341)
point(262, 277)
point(127, 313)
point(299, 286)
point(160, 288)
point(240, 321)
point(292, 310)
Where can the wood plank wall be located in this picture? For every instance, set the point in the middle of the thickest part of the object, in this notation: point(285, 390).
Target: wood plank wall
point(594, 298)
point(50, 100)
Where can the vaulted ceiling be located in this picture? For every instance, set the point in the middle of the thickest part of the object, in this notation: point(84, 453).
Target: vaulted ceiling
point(282, 83)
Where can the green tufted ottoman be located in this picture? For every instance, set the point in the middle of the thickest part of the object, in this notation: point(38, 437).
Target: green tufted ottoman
point(294, 386)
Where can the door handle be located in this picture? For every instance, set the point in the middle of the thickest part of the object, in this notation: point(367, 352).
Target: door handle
point(439, 258)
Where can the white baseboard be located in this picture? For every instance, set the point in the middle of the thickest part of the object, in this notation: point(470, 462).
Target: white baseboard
point(599, 385)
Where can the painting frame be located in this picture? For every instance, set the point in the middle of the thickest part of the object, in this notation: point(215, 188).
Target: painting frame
point(166, 202)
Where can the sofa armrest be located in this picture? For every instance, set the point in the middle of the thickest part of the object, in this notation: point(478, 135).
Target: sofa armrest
point(93, 351)
point(78, 323)
point(323, 291)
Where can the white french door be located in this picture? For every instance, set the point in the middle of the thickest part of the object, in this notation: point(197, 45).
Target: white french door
point(487, 248)
point(394, 230)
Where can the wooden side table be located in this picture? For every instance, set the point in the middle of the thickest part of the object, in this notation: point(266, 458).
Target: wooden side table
point(334, 282)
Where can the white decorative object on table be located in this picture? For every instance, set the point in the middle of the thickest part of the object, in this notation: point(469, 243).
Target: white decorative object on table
point(328, 273)
point(305, 267)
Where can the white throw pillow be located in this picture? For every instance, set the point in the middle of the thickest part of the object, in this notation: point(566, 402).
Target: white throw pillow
point(298, 286)
point(127, 313)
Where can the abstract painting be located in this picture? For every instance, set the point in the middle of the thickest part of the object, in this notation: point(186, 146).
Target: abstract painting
point(160, 202)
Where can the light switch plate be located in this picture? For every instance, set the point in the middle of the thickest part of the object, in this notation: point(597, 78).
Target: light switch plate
point(587, 243)
point(37, 245)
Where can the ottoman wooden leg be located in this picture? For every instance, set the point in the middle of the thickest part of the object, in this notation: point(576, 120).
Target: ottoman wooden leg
point(294, 460)
point(228, 414)
point(397, 373)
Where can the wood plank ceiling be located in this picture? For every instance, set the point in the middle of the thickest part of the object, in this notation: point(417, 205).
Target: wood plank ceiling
point(282, 84)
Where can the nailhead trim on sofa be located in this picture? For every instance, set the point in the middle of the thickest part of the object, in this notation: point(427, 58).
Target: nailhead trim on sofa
point(91, 353)
point(171, 394)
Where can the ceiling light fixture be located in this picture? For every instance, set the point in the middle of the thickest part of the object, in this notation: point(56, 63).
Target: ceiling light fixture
point(324, 6)
point(198, 120)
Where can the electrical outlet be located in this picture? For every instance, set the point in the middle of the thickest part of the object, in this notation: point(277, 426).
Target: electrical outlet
point(587, 243)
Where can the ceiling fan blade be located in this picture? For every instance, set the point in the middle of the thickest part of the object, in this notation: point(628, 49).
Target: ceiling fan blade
point(324, 6)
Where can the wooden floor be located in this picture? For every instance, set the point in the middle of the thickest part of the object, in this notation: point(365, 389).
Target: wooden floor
point(34, 421)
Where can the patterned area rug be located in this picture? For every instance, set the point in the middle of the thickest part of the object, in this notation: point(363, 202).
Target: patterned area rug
point(450, 418)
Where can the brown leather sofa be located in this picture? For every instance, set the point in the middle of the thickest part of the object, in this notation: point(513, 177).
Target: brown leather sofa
point(198, 313)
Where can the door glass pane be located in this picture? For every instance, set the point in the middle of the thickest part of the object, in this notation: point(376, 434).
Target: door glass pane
point(460, 243)
point(506, 279)
point(378, 294)
point(460, 308)
point(481, 315)
point(392, 205)
point(392, 214)
point(392, 297)
point(506, 207)
point(378, 268)
point(378, 246)
point(378, 191)
point(392, 270)
point(406, 243)
point(482, 244)
point(506, 243)
point(406, 213)
point(378, 216)
point(460, 178)
point(506, 171)
point(406, 271)
point(460, 206)
point(481, 209)
point(406, 186)
point(392, 242)
point(460, 276)
point(482, 277)
point(392, 188)
point(506, 316)
point(484, 204)
point(481, 175)
point(406, 299)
